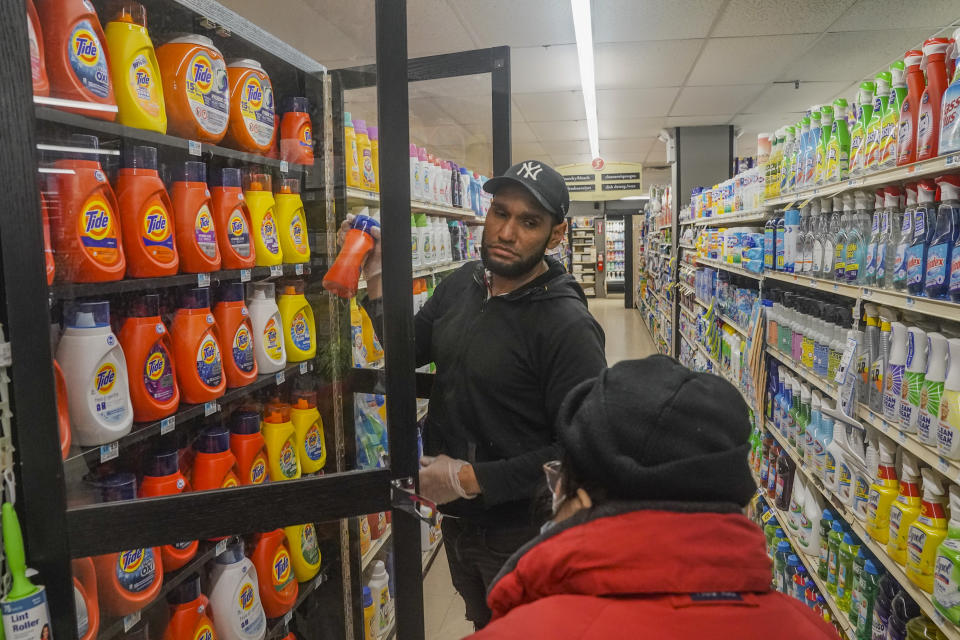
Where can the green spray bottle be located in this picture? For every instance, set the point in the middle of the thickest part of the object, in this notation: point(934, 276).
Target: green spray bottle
point(880, 102)
point(868, 596)
point(834, 539)
point(826, 525)
point(858, 135)
point(888, 125)
point(946, 570)
point(849, 549)
point(826, 128)
point(838, 148)
point(858, 564)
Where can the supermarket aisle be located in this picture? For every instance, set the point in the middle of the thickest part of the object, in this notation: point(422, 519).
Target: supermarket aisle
point(627, 337)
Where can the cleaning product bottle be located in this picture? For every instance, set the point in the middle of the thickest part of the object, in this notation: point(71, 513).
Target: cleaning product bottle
point(278, 589)
point(38, 64)
point(344, 275)
point(887, 590)
point(95, 371)
point(881, 360)
point(847, 553)
point(146, 344)
point(839, 225)
point(233, 324)
point(134, 71)
point(268, 340)
point(25, 610)
point(927, 532)
point(252, 109)
point(948, 429)
point(905, 509)
point(858, 135)
point(855, 260)
point(826, 129)
point(834, 539)
point(195, 229)
point(76, 57)
point(196, 346)
point(374, 134)
point(932, 391)
point(899, 274)
point(946, 584)
point(913, 378)
point(883, 491)
point(86, 225)
point(308, 426)
point(893, 379)
point(873, 130)
point(931, 101)
point(231, 217)
point(866, 603)
point(949, 215)
point(188, 612)
point(364, 155)
point(63, 410)
point(195, 90)
point(85, 598)
point(235, 604)
point(304, 551)
point(923, 628)
point(280, 437)
point(352, 153)
point(370, 631)
point(147, 216)
point(810, 522)
point(259, 196)
point(923, 229)
point(299, 328)
point(214, 466)
point(907, 125)
point(950, 124)
point(945, 234)
point(248, 447)
point(856, 590)
point(888, 124)
point(128, 580)
point(292, 222)
point(162, 477)
point(903, 608)
point(838, 149)
point(296, 131)
point(381, 596)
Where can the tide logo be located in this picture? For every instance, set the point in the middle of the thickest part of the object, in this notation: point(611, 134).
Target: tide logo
point(204, 633)
point(85, 46)
point(281, 567)
point(258, 471)
point(237, 225)
point(306, 137)
point(204, 221)
point(106, 377)
point(143, 77)
point(156, 224)
point(209, 352)
point(155, 366)
point(246, 598)
point(253, 93)
point(96, 221)
point(241, 341)
point(201, 73)
point(288, 458)
point(130, 561)
point(313, 438)
point(299, 327)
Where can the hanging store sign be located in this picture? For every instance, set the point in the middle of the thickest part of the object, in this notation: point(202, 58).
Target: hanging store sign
point(599, 180)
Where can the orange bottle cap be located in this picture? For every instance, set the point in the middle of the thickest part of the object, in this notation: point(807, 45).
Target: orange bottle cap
point(130, 12)
point(289, 185)
point(256, 181)
point(276, 413)
point(303, 399)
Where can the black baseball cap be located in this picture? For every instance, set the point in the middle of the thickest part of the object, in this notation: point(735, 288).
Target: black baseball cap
point(542, 181)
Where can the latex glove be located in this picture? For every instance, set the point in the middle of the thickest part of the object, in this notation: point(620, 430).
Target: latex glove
point(439, 479)
point(373, 265)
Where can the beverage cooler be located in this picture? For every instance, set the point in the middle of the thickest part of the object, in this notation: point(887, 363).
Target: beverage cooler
point(614, 248)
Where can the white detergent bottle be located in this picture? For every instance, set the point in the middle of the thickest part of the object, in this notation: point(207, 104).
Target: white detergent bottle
point(235, 604)
point(380, 589)
point(913, 377)
point(831, 457)
point(795, 508)
point(810, 522)
point(932, 391)
point(813, 431)
point(268, 346)
point(948, 431)
point(95, 372)
point(893, 378)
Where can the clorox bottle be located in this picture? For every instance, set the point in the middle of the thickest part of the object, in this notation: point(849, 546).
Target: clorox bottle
point(233, 323)
point(248, 447)
point(188, 613)
point(95, 371)
point(134, 69)
point(308, 426)
point(299, 328)
point(235, 597)
point(278, 588)
point(269, 350)
point(260, 202)
point(278, 433)
point(196, 347)
point(196, 230)
point(147, 215)
point(162, 477)
point(292, 222)
point(304, 550)
point(231, 217)
point(149, 352)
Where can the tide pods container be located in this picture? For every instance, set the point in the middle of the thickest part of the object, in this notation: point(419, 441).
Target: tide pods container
point(194, 88)
point(252, 110)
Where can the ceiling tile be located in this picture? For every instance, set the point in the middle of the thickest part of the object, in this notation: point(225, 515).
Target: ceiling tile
point(530, 23)
point(432, 27)
point(773, 17)
point(523, 150)
point(630, 21)
point(569, 158)
point(876, 15)
point(781, 98)
point(630, 65)
point(611, 128)
point(758, 58)
point(635, 103)
point(466, 110)
point(552, 106)
point(558, 147)
point(566, 130)
point(626, 149)
point(537, 69)
point(698, 121)
point(705, 101)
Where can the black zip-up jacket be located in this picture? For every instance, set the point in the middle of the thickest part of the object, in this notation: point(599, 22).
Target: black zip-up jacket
point(504, 365)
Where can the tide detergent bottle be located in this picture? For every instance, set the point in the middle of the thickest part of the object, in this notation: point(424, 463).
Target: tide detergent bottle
point(292, 222)
point(268, 341)
point(931, 102)
point(235, 597)
point(883, 491)
point(910, 108)
point(296, 131)
point(196, 230)
point(196, 346)
point(233, 324)
point(278, 588)
point(127, 581)
point(195, 88)
point(248, 447)
point(85, 598)
point(63, 410)
point(927, 532)
point(304, 550)
point(261, 204)
point(188, 613)
point(343, 277)
point(95, 372)
point(134, 69)
point(231, 217)
point(946, 585)
point(214, 466)
point(162, 477)
point(252, 117)
point(308, 426)
point(38, 64)
point(299, 328)
point(904, 510)
point(279, 435)
point(147, 216)
point(76, 57)
point(86, 226)
point(147, 346)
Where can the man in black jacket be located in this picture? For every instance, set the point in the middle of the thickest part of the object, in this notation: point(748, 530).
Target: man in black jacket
point(509, 336)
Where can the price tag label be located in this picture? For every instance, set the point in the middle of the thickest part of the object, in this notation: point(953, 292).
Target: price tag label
point(909, 301)
point(766, 517)
point(298, 269)
point(222, 546)
point(276, 270)
point(836, 287)
point(203, 279)
point(281, 377)
point(210, 408)
point(952, 160)
point(194, 148)
point(303, 367)
point(318, 581)
point(942, 464)
point(846, 360)
point(901, 436)
point(911, 168)
point(130, 620)
point(245, 275)
point(284, 166)
point(109, 451)
point(866, 293)
point(168, 424)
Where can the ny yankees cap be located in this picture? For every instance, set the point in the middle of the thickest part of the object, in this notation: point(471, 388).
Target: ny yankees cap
point(541, 180)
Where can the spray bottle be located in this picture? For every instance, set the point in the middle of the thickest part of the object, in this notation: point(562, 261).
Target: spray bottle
point(928, 420)
point(882, 358)
point(888, 125)
point(858, 136)
point(924, 219)
point(927, 532)
point(905, 509)
point(946, 585)
point(838, 148)
point(880, 105)
point(857, 240)
point(893, 379)
point(948, 431)
point(945, 235)
point(826, 128)
point(913, 378)
point(907, 125)
point(928, 118)
point(883, 492)
point(899, 268)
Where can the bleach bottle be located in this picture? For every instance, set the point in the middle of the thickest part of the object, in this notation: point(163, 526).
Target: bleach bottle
point(946, 584)
point(188, 613)
point(946, 233)
point(928, 421)
point(95, 371)
point(146, 343)
point(235, 597)
point(196, 347)
point(268, 341)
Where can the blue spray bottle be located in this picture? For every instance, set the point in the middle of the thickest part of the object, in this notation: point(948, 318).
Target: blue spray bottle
point(950, 200)
point(923, 219)
point(945, 230)
point(906, 238)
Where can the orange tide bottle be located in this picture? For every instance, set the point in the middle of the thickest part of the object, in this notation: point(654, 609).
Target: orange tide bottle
point(51, 265)
point(193, 207)
point(38, 64)
point(85, 598)
point(343, 277)
point(146, 213)
point(86, 225)
point(296, 131)
point(162, 477)
point(252, 117)
point(278, 588)
point(63, 410)
point(149, 352)
point(233, 324)
point(248, 447)
point(196, 346)
point(195, 90)
point(231, 217)
point(188, 613)
point(76, 57)
point(214, 466)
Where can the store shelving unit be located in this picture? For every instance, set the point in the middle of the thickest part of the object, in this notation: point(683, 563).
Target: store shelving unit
point(372, 198)
point(583, 240)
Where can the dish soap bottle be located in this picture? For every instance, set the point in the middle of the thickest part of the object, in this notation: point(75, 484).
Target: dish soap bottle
point(134, 69)
point(927, 532)
point(904, 510)
point(946, 586)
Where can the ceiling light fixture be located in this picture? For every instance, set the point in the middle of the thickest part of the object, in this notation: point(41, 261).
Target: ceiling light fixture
point(583, 28)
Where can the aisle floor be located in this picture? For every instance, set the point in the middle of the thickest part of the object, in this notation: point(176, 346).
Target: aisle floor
point(627, 337)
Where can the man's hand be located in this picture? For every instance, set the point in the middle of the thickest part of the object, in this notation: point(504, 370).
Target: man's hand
point(443, 479)
point(373, 265)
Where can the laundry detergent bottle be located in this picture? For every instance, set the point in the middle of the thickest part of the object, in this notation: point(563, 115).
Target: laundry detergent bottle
point(343, 277)
point(235, 597)
point(299, 328)
point(292, 222)
point(948, 431)
point(278, 588)
point(38, 64)
point(85, 598)
point(910, 109)
point(134, 69)
point(188, 613)
point(215, 465)
point(196, 347)
point(252, 125)
point(268, 340)
point(928, 422)
point(927, 532)
point(146, 212)
point(946, 584)
point(196, 231)
point(234, 326)
point(296, 131)
point(904, 510)
point(162, 477)
point(280, 437)
point(195, 89)
point(95, 371)
point(883, 491)
point(263, 221)
point(147, 346)
point(931, 101)
point(249, 447)
point(308, 426)
point(231, 217)
point(304, 550)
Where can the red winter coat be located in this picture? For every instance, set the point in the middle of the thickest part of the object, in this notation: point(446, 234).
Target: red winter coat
point(648, 574)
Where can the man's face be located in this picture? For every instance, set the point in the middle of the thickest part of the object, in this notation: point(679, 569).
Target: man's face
point(517, 233)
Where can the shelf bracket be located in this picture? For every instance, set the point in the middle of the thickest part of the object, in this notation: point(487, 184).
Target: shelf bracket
point(405, 498)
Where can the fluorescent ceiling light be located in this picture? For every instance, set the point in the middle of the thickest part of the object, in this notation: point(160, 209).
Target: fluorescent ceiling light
point(583, 28)
point(636, 198)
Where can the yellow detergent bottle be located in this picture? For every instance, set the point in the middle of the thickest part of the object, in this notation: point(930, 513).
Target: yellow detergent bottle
point(904, 510)
point(308, 426)
point(369, 336)
point(281, 446)
point(927, 533)
point(292, 222)
point(353, 156)
point(134, 70)
point(883, 491)
point(304, 550)
point(299, 328)
point(259, 196)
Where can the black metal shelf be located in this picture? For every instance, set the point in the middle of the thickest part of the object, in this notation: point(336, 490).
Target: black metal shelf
point(278, 627)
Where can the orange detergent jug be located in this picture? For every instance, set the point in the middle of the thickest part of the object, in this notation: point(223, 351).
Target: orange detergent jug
point(233, 324)
point(188, 613)
point(63, 410)
point(86, 225)
point(127, 581)
point(147, 216)
point(248, 447)
point(76, 57)
point(197, 347)
point(85, 598)
point(196, 231)
point(252, 119)
point(162, 477)
point(146, 344)
point(231, 217)
point(214, 466)
point(194, 88)
point(38, 64)
point(47, 247)
point(278, 588)
point(296, 131)
point(344, 275)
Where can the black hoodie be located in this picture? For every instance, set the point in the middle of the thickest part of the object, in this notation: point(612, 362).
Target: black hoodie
point(504, 365)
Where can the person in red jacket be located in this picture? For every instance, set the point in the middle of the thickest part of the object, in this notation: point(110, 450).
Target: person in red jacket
point(648, 539)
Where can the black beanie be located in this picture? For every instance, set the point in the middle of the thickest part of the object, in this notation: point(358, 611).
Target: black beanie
point(652, 429)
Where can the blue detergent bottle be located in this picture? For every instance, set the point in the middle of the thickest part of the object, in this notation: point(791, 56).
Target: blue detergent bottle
point(950, 197)
point(945, 231)
point(923, 219)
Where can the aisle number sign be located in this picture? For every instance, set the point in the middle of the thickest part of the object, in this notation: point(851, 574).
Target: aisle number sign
point(599, 180)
